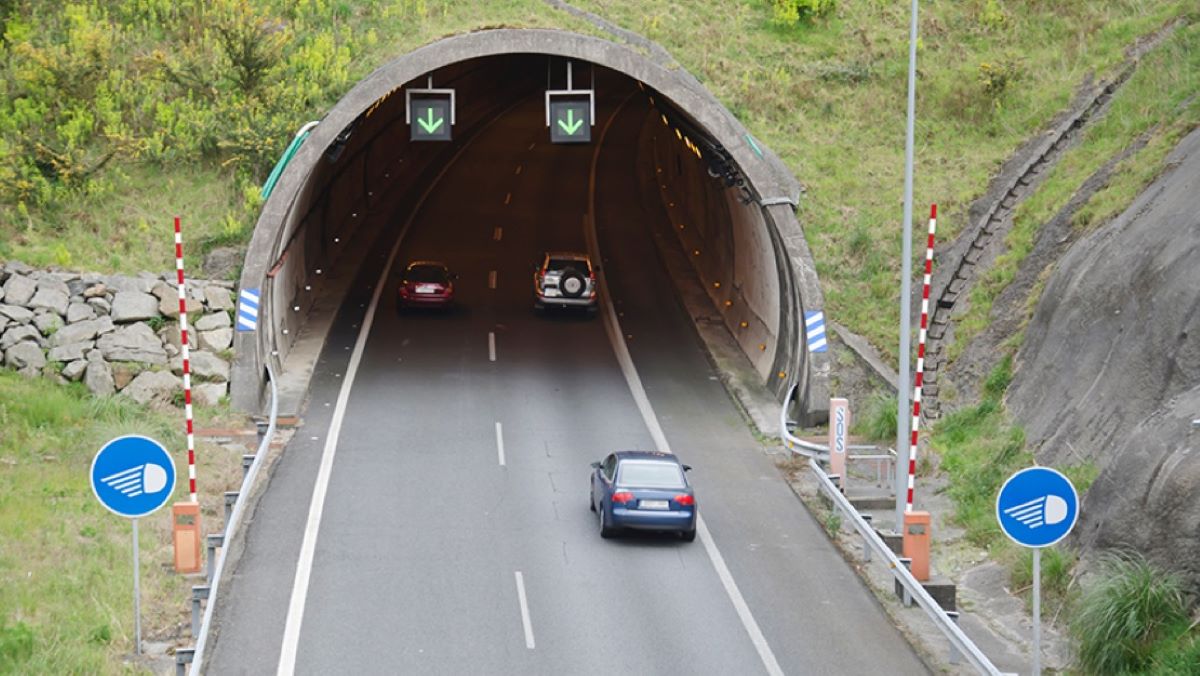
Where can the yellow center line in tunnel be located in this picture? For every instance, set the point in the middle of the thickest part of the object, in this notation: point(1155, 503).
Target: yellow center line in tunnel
point(497, 233)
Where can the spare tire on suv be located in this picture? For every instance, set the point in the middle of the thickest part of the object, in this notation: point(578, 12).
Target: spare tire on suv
point(572, 283)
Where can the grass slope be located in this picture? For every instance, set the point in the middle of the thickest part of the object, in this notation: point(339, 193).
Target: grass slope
point(66, 569)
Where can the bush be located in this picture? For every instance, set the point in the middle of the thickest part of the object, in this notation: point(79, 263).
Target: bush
point(1120, 619)
point(16, 645)
point(791, 12)
point(878, 421)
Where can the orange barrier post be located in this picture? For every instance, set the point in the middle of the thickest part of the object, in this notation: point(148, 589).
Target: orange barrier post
point(916, 543)
point(185, 529)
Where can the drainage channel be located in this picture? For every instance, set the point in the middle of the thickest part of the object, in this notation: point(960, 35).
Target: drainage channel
point(987, 235)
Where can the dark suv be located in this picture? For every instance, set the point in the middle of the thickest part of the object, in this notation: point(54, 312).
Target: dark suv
point(564, 280)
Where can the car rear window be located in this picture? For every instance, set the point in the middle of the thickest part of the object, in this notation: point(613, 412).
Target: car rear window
point(425, 273)
point(564, 263)
point(650, 474)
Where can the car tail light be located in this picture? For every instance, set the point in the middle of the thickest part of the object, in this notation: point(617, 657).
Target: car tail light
point(685, 499)
point(622, 497)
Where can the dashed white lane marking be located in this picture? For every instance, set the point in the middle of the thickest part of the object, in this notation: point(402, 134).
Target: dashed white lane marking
point(508, 198)
point(308, 546)
point(518, 171)
point(613, 328)
point(491, 346)
point(492, 279)
point(497, 233)
point(525, 621)
point(531, 145)
point(500, 443)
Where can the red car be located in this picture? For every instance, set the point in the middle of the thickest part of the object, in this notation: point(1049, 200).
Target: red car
point(427, 284)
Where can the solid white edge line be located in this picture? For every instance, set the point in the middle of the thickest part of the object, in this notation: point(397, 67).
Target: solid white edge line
point(491, 346)
point(621, 350)
point(526, 623)
point(500, 443)
point(295, 616)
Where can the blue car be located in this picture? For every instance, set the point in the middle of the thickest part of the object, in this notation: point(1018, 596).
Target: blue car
point(643, 490)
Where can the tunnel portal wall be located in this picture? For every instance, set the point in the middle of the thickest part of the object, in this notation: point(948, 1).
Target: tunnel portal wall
point(316, 201)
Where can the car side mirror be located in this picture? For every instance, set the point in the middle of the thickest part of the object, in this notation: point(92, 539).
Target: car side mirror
point(687, 468)
point(596, 465)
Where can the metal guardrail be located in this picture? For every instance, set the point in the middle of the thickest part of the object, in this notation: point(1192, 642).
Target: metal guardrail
point(196, 655)
point(818, 451)
point(873, 544)
point(944, 621)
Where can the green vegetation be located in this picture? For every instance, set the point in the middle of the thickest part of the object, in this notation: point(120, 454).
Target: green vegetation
point(878, 419)
point(1135, 620)
point(828, 96)
point(1161, 99)
point(110, 106)
point(65, 565)
point(980, 448)
point(119, 114)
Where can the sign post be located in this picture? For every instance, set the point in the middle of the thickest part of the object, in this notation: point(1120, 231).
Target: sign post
point(1036, 508)
point(133, 476)
point(570, 112)
point(839, 425)
point(429, 113)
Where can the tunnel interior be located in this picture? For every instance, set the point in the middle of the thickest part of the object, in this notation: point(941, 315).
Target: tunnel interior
point(356, 199)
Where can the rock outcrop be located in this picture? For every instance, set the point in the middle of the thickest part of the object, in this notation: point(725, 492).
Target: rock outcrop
point(114, 333)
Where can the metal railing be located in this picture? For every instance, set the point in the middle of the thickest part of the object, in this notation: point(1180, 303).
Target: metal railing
point(195, 656)
point(810, 449)
point(873, 545)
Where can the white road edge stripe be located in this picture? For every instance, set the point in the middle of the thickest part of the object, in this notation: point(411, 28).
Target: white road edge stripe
point(295, 614)
point(616, 337)
point(525, 621)
point(491, 346)
point(500, 443)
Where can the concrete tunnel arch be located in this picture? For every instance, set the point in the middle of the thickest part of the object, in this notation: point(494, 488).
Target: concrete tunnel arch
point(283, 259)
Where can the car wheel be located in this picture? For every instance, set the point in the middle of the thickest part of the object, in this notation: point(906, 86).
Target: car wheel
point(605, 530)
point(688, 535)
point(572, 284)
point(591, 499)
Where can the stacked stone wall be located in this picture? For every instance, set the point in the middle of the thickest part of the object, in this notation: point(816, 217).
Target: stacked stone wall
point(117, 334)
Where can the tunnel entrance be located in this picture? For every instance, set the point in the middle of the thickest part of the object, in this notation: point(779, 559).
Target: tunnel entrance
point(347, 192)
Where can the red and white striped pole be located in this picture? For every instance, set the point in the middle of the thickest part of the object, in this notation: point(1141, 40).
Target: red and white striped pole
point(187, 367)
point(912, 450)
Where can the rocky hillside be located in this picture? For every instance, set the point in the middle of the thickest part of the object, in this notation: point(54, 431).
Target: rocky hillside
point(1110, 370)
point(116, 334)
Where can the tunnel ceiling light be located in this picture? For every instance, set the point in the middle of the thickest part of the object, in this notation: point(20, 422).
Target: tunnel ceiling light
point(664, 118)
point(744, 324)
point(728, 303)
point(783, 374)
point(678, 134)
point(695, 252)
point(308, 287)
point(716, 285)
point(762, 347)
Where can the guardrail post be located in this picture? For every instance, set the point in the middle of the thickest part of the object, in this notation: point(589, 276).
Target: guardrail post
point(955, 656)
point(230, 499)
point(261, 425)
point(906, 596)
point(199, 593)
point(215, 540)
point(183, 657)
point(247, 460)
point(866, 555)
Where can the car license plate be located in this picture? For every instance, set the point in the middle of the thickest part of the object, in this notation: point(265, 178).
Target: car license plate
point(652, 504)
point(426, 289)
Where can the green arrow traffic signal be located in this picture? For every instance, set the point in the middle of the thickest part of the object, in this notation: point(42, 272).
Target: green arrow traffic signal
point(430, 125)
point(571, 125)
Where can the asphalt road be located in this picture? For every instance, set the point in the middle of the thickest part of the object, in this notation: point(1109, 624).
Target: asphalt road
point(455, 536)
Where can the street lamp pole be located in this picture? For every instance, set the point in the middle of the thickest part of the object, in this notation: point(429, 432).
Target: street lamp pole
point(904, 414)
